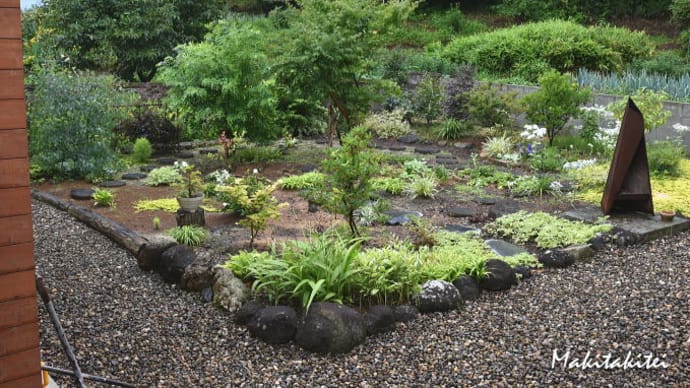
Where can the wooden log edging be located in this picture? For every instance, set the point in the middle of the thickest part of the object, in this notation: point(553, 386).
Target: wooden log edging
point(126, 238)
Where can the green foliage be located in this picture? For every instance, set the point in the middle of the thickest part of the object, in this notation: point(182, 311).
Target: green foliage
point(154, 126)
point(650, 103)
point(424, 186)
point(389, 275)
point(669, 63)
point(156, 223)
point(388, 124)
point(529, 185)
point(309, 180)
point(192, 184)
point(428, 99)
point(393, 186)
point(168, 205)
point(452, 129)
point(373, 212)
point(350, 169)
point(583, 10)
point(489, 106)
point(630, 82)
point(190, 235)
point(664, 158)
point(128, 37)
point(223, 83)
point(142, 150)
point(561, 45)
point(252, 198)
point(163, 176)
point(548, 160)
point(70, 121)
point(557, 101)
point(255, 154)
point(103, 197)
point(680, 12)
point(497, 146)
point(546, 230)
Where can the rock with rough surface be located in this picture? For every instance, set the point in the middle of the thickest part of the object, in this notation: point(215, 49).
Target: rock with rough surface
point(149, 255)
point(468, 287)
point(379, 319)
point(274, 324)
point(405, 313)
point(556, 258)
point(196, 277)
point(174, 261)
point(245, 313)
point(229, 292)
point(500, 276)
point(438, 295)
point(331, 328)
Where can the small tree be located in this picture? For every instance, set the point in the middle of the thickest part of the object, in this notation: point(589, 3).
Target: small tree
point(429, 98)
point(350, 169)
point(650, 103)
point(557, 101)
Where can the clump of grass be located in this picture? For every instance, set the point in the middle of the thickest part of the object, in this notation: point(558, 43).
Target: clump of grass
point(190, 235)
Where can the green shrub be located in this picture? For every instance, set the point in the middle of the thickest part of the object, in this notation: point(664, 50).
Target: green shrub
point(452, 129)
point(70, 121)
point(497, 146)
point(548, 160)
point(163, 176)
point(255, 154)
point(680, 12)
point(428, 99)
point(350, 169)
point(631, 82)
point(103, 197)
point(561, 45)
point(389, 275)
point(489, 106)
point(583, 10)
point(424, 186)
point(142, 150)
point(388, 124)
point(557, 101)
point(190, 235)
point(529, 185)
point(373, 212)
point(393, 186)
point(650, 103)
point(154, 126)
point(546, 230)
point(309, 180)
point(664, 157)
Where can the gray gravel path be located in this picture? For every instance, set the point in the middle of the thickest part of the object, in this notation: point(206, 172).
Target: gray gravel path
point(129, 325)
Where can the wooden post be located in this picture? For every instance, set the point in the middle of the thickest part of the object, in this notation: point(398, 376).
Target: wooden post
point(19, 344)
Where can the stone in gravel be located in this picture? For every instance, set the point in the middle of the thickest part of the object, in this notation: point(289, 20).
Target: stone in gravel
point(312, 207)
point(461, 229)
point(331, 328)
point(500, 276)
point(405, 313)
point(599, 241)
point(147, 168)
point(274, 324)
point(427, 150)
point(401, 217)
point(555, 258)
point(197, 277)
point(149, 255)
point(524, 271)
point(459, 212)
point(185, 154)
point(623, 238)
point(467, 286)
point(245, 313)
point(504, 248)
point(463, 145)
point(504, 207)
point(379, 319)
point(207, 151)
point(229, 292)
point(166, 160)
point(174, 261)
point(409, 139)
point(397, 148)
point(110, 184)
point(438, 295)
point(133, 176)
point(207, 295)
point(81, 194)
point(486, 201)
point(579, 252)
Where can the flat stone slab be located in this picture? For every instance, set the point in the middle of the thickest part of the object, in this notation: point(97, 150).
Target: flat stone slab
point(206, 151)
point(401, 217)
point(397, 148)
point(486, 201)
point(147, 168)
point(166, 160)
point(504, 207)
point(646, 227)
point(461, 229)
point(460, 212)
point(579, 252)
point(185, 155)
point(133, 176)
point(113, 183)
point(427, 150)
point(463, 145)
point(409, 139)
point(81, 194)
point(504, 248)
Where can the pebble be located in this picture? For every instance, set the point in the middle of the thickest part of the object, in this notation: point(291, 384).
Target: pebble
point(128, 325)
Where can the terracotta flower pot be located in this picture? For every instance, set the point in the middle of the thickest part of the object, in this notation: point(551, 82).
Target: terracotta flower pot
point(667, 215)
point(190, 204)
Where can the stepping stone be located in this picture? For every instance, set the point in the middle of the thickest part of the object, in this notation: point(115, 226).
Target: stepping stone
point(504, 248)
point(463, 145)
point(486, 201)
point(81, 194)
point(147, 168)
point(207, 151)
point(397, 148)
point(185, 155)
point(502, 208)
point(409, 139)
point(308, 168)
point(460, 212)
point(187, 145)
point(112, 183)
point(442, 143)
point(427, 150)
point(461, 229)
point(453, 166)
point(133, 176)
point(401, 217)
point(321, 141)
point(166, 160)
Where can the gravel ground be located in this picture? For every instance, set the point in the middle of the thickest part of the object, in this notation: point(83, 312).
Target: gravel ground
point(129, 325)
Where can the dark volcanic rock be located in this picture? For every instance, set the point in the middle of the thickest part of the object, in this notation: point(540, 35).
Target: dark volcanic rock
point(438, 295)
point(174, 261)
point(133, 176)
point(500, 276)
point(331, 328)
point(379, 319)
point(245, 313)
point(148, 168)
point(109, 184)
point(409, 139)
point(502, 208)
point(468, 287)
point(274, 324)
point(427, 150)
point(405, 313)
point(81, 194)
point(459, 212)
point(556, 258)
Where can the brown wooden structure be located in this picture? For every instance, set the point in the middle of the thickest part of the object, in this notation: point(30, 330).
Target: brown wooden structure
point(628, 187)
point(19, 344)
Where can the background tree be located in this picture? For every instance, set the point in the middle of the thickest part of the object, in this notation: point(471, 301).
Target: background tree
point(557, 101)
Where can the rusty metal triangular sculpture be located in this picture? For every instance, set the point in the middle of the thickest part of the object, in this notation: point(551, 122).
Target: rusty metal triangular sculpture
point(628, 187)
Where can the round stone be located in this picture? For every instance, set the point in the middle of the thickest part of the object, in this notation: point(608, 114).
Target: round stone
point(133, 176)
point(147, 168)
point(112, 183)
point(166, 160)
point(81, 194)
point(185, 155)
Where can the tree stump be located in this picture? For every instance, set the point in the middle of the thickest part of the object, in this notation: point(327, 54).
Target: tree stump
point(184, 217)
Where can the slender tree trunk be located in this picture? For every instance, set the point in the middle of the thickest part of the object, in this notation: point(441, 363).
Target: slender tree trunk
point(332, 122)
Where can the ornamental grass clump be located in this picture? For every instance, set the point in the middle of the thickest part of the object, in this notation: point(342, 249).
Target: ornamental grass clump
point(190, 235)
point(545, 230)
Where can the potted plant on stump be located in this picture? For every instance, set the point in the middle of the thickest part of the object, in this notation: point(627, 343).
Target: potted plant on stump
point(191, 188)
